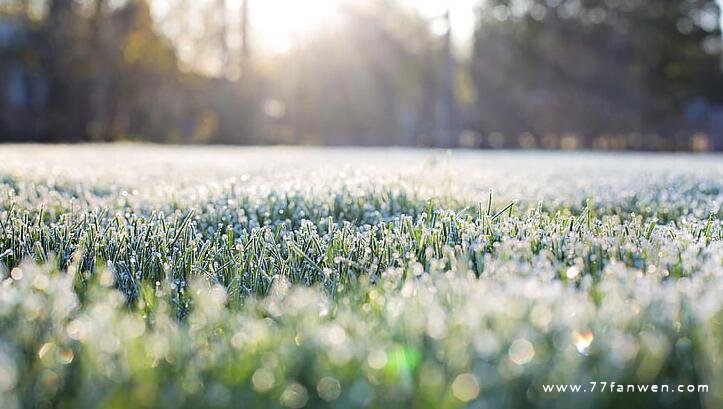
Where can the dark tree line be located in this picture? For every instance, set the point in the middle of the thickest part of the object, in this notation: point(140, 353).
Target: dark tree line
point(593, 68)
point(643, 74)
point(105, 74)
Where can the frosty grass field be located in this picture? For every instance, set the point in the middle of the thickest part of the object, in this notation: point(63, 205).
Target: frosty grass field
point(141, 276)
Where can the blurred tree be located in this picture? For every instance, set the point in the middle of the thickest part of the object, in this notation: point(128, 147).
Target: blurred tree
point(446, 112)
point(363, 79)
point(99, 127)
point(146, 69)
point(377, 74)
point(67, 61)
point(229, 92)
point(245, 40)
point(108, 74)
point(720, 25)
point(590, 67)
point(22, 87)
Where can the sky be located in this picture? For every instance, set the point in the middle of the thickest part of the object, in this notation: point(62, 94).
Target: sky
point(281, 22)
point(278, 29)
point(462, 15)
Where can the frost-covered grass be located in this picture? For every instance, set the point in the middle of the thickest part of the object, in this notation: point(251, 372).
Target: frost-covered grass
point(140, 276)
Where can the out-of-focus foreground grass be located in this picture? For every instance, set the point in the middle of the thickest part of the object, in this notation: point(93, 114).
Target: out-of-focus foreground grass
point(322, 278)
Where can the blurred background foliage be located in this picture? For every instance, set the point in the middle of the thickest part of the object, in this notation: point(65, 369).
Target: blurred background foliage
point(570, 74)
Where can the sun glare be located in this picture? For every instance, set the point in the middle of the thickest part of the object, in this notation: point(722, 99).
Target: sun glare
point(277, 24)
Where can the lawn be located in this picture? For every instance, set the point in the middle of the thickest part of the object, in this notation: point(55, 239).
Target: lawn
point(168, 277)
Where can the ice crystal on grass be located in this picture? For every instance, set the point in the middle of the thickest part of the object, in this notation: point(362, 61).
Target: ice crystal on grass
point(138, 276)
